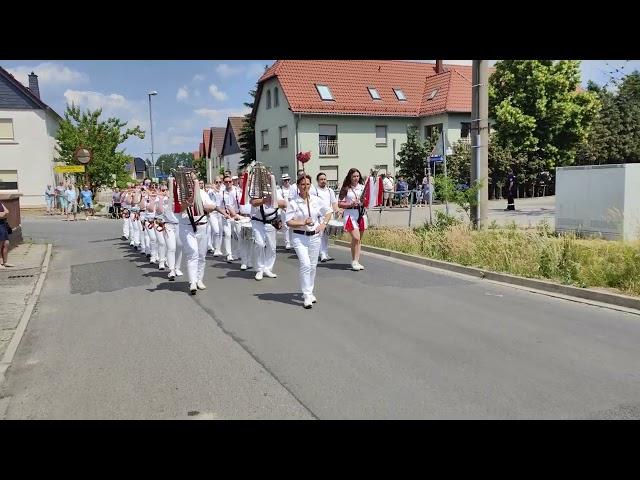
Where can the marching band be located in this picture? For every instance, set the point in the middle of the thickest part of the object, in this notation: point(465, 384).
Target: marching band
point(237, 219)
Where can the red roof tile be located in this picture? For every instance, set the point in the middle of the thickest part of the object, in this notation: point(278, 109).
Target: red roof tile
point(236, 125)
point(206, 140)
point(348, 81)
point(217, 138)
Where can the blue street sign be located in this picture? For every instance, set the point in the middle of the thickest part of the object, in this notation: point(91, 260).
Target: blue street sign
point(436, 158)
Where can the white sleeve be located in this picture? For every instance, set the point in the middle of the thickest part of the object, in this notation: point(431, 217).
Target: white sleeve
point(291, 211)
point(332, 197)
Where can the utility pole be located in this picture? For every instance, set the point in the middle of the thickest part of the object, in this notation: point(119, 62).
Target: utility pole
point(480, 139)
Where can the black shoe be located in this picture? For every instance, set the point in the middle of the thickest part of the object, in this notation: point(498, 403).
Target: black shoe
point(172, 279)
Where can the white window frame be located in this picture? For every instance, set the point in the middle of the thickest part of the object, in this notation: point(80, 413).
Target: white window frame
point(377, 93)
point(8, 121)
point(319, 87)
point(400, 93)
point(263, 137)
point(331, 168)
point(386, 133)
point(285, 138)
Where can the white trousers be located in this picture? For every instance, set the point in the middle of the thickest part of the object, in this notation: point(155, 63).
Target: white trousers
point(126, 224)
point(153, 241)
point(264, 245)
point(288, 233)
point(136, 232)
point(324, 244)
point(174, 246)
point(215, 230)
point(307, 249)
point(194, 245)
point(162, 246)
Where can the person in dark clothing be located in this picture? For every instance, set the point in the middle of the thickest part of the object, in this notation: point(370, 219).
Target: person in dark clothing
point(511, 190)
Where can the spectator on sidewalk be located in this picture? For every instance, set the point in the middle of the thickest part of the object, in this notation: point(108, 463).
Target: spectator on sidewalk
point(427, 189)
point(387, 186)
point(4, 236)
point(511, 190)
point(87, 199)
point(403, 186)
point(115, 200)
point(61, 197)
point(50, 197)
point(72, 202)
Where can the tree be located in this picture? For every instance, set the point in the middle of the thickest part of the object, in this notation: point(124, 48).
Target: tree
point(247, 137)
point(200, 164)
point(413, 155)
point(170, 161)
point(102, 137)
point(615, 136)
point(539, 112)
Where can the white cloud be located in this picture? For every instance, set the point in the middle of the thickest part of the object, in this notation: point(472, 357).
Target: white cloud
point(217, 93)
point(49, 74)
point(183, 93)
point(226, 71)
point(198, 78)
point(112, 105)
point(218, 118)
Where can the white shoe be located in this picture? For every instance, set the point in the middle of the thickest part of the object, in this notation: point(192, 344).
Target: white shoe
point(288, 246)
point(172, 276)
point(229, 258)
point(323, 258)
point(179, 272)
point(307, 302)
point(210, 250)
point(217, 253)
point(153, 260)
point(360, 267)
point(355, 266)
point(313, 298)
point(243, 267)
point(259, 275)
point(193, 288)
point(201, 285)
point(161, 266)
point(270, 274)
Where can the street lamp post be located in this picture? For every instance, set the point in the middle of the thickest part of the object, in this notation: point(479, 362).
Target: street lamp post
point(153, 161)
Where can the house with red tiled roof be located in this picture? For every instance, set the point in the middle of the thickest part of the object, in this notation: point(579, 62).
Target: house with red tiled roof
point(214, 140)
point(231, 151)
point(356, 113)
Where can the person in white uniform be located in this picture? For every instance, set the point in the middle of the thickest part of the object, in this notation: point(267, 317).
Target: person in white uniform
point(231, 206)
point(286, 191)
point(136, 225)
point(264, 213)
point(162, 204)
point(194, 238)
point(329, 199)
point(349, 199)
point(307, 216)
point(126, 223)
point(171, 234)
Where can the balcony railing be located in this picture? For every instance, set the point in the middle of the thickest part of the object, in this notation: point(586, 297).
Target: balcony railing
point(328, 147)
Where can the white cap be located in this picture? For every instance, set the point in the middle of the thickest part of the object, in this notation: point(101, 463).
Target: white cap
point(285, 176)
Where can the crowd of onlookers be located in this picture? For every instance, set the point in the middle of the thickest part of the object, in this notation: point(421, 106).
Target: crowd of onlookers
point(67, 199)
point(399, 193)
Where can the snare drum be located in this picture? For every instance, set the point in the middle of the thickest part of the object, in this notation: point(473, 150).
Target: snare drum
point(246, 232)
point(335, 228)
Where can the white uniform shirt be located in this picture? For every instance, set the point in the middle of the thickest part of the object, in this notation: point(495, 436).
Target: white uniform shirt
point(298, 211)
point(353, 194)
point(255, 211)
point(327, 195)
point(169, 216)
point(230, 199)
point(206, 202)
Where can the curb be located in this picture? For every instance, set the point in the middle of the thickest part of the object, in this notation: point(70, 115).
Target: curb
point(529, 283)
point(10, 352)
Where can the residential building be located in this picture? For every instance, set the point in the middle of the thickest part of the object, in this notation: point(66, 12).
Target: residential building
point(231, 151)
point(28, 129)
point(356, 113)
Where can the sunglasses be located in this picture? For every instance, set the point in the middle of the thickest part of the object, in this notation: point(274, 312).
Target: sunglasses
point(218, 182)
point(228, 181)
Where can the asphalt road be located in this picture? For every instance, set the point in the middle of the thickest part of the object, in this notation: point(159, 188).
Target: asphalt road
point(111, 338)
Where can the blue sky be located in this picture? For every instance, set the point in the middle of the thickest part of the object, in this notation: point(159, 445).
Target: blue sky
point(192, 95)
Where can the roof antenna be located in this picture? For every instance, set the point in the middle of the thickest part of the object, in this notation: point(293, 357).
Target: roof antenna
point(379, 67)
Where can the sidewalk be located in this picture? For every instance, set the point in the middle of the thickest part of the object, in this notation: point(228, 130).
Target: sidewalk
point(17, 285)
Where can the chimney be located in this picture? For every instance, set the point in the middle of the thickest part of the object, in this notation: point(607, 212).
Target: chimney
point(439, 68)
point(33, 84)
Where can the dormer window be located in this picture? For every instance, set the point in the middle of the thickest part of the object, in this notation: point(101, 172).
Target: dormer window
point(325, 93)
point(374, 93)
point(400, 94)
point(433, 94)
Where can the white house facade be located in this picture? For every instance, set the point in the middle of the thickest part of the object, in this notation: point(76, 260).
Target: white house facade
point(28, 128)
